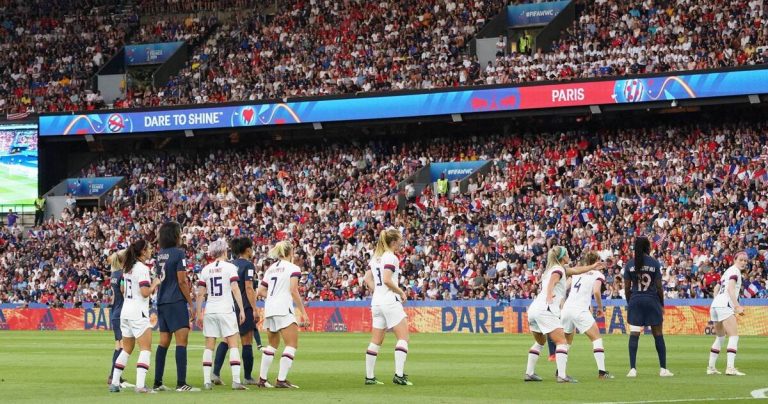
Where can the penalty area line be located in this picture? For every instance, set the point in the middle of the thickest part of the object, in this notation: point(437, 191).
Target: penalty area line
point(681, 400)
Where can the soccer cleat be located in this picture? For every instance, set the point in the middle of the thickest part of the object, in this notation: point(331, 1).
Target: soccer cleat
point(402, 380)
point(263, 384)
point(126, 385)
point(216, 380)
point(713, 371)
point(665, 373)
point(632, 373)
point(160, 387)
point(533, 378)
point(208, 386)
point(602, 374)
point(114, 389)
point(109, 381)
point(552, 358)
point(372, 381)
point(285, 384)
point(145, 390)
point(250, 382)
point(186, 388)
point(259, 347)
point(566, 379)
point(734, 372)
point(238, 386)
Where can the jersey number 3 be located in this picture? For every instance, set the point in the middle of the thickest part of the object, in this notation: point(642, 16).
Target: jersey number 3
point(378, 275)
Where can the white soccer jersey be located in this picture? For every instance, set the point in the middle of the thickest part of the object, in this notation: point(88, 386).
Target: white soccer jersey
point(540, 301)
point(722, 299)
point(277, 280)
point(381, 293)
point(136, 306)
point(580, 296)
point(217, 278)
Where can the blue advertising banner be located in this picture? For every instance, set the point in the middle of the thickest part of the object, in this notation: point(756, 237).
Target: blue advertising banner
point(395, 106)
point(91, 186)
point(151, 53)
point(454, 170)
point(525, 15)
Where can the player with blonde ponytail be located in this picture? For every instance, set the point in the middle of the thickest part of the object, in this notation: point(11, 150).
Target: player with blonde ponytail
point(387, 306)
point(280, 290)
point(544, 312)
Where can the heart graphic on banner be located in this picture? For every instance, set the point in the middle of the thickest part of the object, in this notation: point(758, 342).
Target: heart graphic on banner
point(248, 115)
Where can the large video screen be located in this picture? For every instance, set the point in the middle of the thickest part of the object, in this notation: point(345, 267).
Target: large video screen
point(18, 164)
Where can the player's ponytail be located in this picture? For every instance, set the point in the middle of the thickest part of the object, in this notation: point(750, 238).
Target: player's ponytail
point(555, 256)
point(282, 250)
point(132, 254)
point(386, 238)
point(117, 260)
point(642, 248)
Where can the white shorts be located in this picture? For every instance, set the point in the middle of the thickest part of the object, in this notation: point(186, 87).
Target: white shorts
point(718, 314)
point(543, 321)
point(581, 321)
point(134, 328)
point(220, 325)
point(277, 323)
point(388, 315)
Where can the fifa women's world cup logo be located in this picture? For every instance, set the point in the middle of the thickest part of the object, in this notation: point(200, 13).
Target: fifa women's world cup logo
point(652, 89)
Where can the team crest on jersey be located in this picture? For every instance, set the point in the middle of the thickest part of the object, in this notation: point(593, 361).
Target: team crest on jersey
point(336, 322)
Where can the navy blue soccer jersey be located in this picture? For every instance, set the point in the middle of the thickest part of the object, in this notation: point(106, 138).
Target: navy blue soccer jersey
point(169, 262)
point(643, 279)
point(117, 303)
point(245, 273)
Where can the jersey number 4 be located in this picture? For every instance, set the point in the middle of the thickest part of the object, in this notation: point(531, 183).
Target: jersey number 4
point(577, 285)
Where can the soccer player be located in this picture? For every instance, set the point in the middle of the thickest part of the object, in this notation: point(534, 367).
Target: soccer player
point(134, 317)
point(242, 248)
point(576, 316)
point(645, 307)
point(116, 262)
point(174, 305)
point(544, 313)
point(279, 287)
point(387, 306)
point(724, 306)
point(219, 280)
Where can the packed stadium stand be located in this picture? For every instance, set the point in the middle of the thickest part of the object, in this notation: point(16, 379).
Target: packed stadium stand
point(311, 48)
point(697, 187)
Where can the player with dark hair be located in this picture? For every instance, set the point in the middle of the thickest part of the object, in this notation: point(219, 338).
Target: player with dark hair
point(174, 305)
point(134, 317)
point(645, 303)
point(116, 262)
point(242, 248)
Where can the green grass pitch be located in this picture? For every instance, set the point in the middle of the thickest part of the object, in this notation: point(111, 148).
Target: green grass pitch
point(16, 189)
point(72, 367)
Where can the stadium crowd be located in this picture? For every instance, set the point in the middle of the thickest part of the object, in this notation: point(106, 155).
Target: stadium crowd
point(322, 47)
point(699, 192)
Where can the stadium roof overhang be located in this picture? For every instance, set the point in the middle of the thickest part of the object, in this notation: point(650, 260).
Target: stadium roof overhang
point(599, 96)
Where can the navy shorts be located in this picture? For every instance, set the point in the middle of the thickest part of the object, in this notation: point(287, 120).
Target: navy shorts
point(644, 311)
point(248, 325)
point(172, 317)
point(116, 329)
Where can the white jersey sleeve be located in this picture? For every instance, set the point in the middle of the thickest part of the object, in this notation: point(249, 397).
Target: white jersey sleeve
point(559, 290)
point(135, 305)
point(722, 299)
point(217, 278)
point(382, 294)
point(582, 286)
point(277, 280)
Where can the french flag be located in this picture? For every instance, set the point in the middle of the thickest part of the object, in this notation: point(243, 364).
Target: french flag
point(752, 290)
point(733, 169)
point(760, 174)
point(586, 216)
